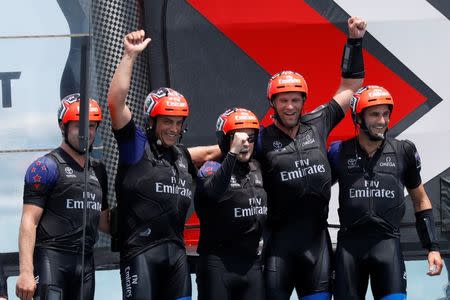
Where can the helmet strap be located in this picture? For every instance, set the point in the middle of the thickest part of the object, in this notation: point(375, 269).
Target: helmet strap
point(277, 117)
point(150, 130)
point(372, 137)
point(66, 140)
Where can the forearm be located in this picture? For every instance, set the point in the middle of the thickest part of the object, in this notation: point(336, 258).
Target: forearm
point(119, 88)
point(216, 184)
point(422, 203)
point(201, 154)
point(425, 223)
point(103, 224)
point(419, 198)
point(27, 241)
point(352, 75)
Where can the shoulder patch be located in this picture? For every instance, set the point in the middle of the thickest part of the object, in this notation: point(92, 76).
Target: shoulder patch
point(208, 169)
point(333, 153)
point(335, 146)
point(42, 171)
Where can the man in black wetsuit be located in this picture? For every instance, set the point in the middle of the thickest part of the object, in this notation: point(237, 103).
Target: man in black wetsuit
point(297, 175)
point(231, 205)
point(51, 230)
point(155, 185)
point(373, 171)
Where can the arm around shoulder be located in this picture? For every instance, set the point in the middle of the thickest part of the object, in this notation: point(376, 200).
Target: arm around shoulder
point(201, 154)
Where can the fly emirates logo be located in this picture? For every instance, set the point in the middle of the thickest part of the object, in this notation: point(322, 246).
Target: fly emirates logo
point(91, 203)
point(303, 168)
point(256, 207)
point(174, 188)
point(371, 189)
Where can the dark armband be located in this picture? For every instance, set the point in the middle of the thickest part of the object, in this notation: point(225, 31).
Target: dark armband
point(426, 230)
point(352, 65)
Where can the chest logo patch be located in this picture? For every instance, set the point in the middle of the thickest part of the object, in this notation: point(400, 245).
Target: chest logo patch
point(387, 163)
point(69, 172)
point(308, 139)
point(277, 145)
point(352, 163)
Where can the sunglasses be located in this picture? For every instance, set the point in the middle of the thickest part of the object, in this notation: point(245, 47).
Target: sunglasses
point(251, 138)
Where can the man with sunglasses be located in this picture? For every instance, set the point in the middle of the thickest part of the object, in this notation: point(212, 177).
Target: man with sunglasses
point(231, 205)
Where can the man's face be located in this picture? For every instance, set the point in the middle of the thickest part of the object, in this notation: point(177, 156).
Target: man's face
point(377, 119)
point(73, 132)
point(168, 129)
point(288, 105)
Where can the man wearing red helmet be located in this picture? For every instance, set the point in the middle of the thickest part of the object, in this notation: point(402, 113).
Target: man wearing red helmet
point(155, 185)
point(51, 230)
point(373, 171)
point(298, 177)
point(231, 205)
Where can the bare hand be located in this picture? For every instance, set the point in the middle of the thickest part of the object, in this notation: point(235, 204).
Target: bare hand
point(25, 286)
point(239, 142)
point(135, 42)
point(356, 27)
point(434, 263)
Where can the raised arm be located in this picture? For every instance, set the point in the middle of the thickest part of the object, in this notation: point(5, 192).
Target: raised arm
point(352, 63)
point(134, 43)
point(426, 228)
point(216, 184)
point(26, 285)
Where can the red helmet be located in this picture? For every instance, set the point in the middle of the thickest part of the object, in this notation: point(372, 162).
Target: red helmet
point(166, 102)
point(69, 109)
point(286, 81)
point(368, 96)
point(234, 119)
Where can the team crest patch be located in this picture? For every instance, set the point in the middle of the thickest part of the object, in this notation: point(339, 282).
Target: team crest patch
point(277, 145)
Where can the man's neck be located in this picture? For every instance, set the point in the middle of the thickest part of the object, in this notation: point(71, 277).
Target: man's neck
point(292, 132)
point(79, 158)
point(369, 146)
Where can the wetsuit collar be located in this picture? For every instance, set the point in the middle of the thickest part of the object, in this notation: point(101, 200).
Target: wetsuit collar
point(363, 151)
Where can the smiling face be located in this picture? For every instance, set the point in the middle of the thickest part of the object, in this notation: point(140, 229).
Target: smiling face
point(376, 119)
point(288, 106)
point(168, 129)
